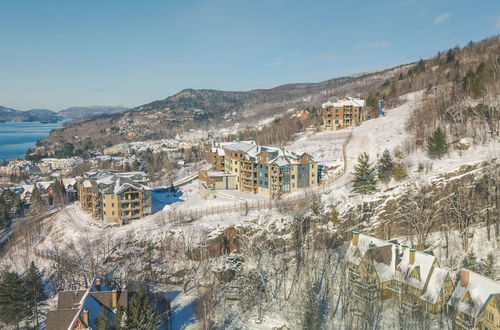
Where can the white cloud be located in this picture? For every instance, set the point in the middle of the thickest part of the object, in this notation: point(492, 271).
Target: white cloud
point(275, 63)
point(442, 18)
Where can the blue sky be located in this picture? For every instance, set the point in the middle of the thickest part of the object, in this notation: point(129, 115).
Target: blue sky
point(56, 54)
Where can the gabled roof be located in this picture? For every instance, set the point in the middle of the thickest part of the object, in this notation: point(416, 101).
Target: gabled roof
point(435, 284)
point(71, 306)
point(364, 243)
point(60, 319)
point(481, 289)
point(115, 183)
point(346, 101)
point(424, 263)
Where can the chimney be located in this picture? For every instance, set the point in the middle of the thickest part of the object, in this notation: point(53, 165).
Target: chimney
point(86, 317)
point(404, 247)
point(98, 284)
point(464, 278)
point(412, 256)
point(355, 238)
point(113, 299)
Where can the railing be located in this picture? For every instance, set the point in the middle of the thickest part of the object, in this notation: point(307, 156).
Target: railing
point(188, 215)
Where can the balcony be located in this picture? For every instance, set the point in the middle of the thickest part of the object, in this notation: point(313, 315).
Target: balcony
point(247, 167)
point(130, 197)
point(130, 206)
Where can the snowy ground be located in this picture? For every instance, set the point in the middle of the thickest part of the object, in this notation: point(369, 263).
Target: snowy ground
point(325, 147)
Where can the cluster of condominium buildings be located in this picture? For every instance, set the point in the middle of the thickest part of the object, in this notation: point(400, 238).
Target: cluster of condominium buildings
point(246, 166)
point(114, 197)
point(380, 270)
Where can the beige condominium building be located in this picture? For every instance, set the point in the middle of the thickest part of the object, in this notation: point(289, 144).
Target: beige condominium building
point(342, 113)
point(115, 197)
point(246, 166)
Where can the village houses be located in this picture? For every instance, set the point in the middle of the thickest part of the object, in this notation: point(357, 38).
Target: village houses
point(380, 270)
point(80, 309)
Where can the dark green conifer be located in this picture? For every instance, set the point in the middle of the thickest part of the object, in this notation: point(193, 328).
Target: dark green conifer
point(364, 181)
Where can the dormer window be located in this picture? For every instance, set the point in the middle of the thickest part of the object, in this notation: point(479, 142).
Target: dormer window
point(415, 273)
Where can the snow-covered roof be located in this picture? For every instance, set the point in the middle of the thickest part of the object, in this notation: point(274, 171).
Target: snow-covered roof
point(240, 146)
point(27, 188)
point(471, 295)
point(69, 181)
point(355, 253)
point(435, 284)
point(347, 101)
point(423, 265)
point(44, 184)
point(392, 261)
point(115, 183)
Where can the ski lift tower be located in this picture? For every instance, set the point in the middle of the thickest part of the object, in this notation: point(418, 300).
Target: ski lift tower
point(381, 107)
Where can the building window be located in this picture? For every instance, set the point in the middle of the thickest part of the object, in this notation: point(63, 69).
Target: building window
point(112, 204)
point(491, 317)
point(112, 212)
point(235, 162)
point(293, 176)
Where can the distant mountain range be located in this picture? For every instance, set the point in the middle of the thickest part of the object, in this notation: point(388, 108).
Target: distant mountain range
point(45, 115)
point(41, 115)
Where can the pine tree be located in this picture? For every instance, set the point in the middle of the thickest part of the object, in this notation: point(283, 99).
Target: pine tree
point(37, 203)
point(311, 319)
point(385, 166)
point(33, 290)
point(437, 144)
point(488, 268)
point(141, 314)
point(59, 192)
point(470, 261)
point(102, 322)
point(364, 181)
point(12, 304)
point(4, 213)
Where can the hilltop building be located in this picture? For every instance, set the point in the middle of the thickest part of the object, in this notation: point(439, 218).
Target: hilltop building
point(380, 270)
point(342, 113)
point(115, 197)
point(80, 309)
point(246, 166)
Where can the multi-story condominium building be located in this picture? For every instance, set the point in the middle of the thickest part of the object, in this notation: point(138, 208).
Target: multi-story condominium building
point(343, 113)
point(379, 270)
point(260, 169)
point(80, 309)
point(115, 197)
